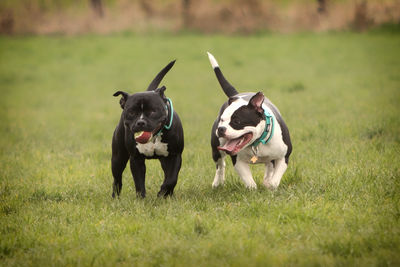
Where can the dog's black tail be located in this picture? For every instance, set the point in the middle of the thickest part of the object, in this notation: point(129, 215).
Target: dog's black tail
point(229, 90)
point(157, 80)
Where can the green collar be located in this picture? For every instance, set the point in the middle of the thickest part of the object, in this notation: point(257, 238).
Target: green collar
point(167, 127)
point(269, 128)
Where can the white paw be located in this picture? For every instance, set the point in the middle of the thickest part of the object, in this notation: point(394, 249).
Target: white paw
point(217, 183)
point(271, 185)
point(252, 186)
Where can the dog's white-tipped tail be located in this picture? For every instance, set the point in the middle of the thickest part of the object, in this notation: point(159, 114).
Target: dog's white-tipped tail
point(229, 90)
point(213, 61)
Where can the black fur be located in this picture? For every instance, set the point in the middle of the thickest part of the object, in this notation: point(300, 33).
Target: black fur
point(146, 111)
point(245, 116)
point(249, 117)
point(284, 128)
point(229, 90)
point(156, 81)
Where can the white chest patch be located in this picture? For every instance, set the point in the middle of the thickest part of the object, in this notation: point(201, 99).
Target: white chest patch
point(153, 147)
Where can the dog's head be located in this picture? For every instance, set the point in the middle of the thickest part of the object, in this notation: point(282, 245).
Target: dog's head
point(145, 114)
point(241, 123)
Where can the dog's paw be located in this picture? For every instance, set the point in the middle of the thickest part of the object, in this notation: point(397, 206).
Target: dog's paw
point(218, 180)
point(215, 184)
point(271, 185)
point(252, 186)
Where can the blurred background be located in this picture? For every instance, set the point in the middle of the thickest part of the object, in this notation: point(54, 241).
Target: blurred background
point(206, 16)
point(331, 67)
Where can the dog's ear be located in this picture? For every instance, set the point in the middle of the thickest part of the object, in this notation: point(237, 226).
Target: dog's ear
point(123, 99)
point(256, 102)
point(161, 91)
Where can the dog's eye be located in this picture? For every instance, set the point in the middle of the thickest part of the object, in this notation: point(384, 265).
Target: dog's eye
point(150, 113)
point(236, 120)
point(131, 113)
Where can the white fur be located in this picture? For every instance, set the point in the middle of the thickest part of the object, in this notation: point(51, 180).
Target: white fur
point(275, 149)
point(232, 133)
point(219, 178)
point(154, 146)
point(243, 169)
point(213, 61)
point(269, 171)
point(280, 168)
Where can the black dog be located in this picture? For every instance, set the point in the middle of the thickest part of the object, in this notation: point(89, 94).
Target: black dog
point(149, 128)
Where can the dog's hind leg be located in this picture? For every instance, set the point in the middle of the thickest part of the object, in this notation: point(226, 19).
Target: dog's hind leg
point(280, 168)
point(171, 166)
point(269, 171)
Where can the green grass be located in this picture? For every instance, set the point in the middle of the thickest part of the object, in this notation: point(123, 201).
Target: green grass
point(338, 203)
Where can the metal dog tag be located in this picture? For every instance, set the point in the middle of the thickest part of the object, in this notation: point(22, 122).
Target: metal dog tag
point(255, 151)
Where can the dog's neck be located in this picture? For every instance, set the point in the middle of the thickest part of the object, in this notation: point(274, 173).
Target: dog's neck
point(169, 108)
point(268, 130)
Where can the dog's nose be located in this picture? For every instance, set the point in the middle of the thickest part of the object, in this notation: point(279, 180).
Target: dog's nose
point(141, 123)
point(221, 131)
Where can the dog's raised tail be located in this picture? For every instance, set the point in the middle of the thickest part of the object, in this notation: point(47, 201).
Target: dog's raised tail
point(157, 80)
point(229, 90)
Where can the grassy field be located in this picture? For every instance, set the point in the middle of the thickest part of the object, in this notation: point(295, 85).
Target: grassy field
point(338, 203)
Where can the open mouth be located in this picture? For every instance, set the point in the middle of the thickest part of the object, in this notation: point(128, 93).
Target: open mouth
point(233, 146)
point(144, 137)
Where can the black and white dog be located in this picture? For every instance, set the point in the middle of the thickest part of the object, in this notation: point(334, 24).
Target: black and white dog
point(251, 130)
point(149, 128)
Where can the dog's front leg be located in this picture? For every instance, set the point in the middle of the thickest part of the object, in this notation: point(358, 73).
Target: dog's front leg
point(243, 169)
point(171, 166)
point(138, 169)
point(119, 159)
point(280, 168)
point(117, 167)
point(219, 178)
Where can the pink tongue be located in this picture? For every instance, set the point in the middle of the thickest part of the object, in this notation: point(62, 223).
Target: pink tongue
point(230, 145)
point(144, 137)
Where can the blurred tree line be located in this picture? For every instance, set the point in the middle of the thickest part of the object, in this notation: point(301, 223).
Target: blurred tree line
point(225, 16)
